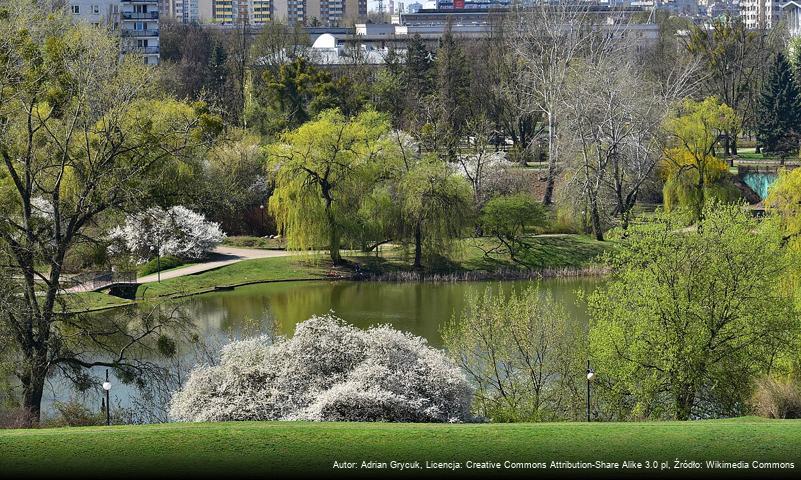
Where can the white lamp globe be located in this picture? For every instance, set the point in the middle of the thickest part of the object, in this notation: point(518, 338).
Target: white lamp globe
point(590, 376)
point(107, 386)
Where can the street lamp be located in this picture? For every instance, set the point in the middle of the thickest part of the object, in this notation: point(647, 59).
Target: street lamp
point(107, 388)
point(590, 378)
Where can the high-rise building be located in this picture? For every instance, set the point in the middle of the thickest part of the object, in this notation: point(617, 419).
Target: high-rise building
point(139, 29)
point(187, 11)
point(137, 22)
point(308, 12)
point(760, 14)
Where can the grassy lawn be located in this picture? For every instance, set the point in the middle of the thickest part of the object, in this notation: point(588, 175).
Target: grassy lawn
point(93, 301)
point(262, 448)
point(259, 270)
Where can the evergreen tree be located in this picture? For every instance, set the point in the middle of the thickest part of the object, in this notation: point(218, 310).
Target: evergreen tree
point(779, 110)
point(418, 84)
point(419, 68)
point(453, 86)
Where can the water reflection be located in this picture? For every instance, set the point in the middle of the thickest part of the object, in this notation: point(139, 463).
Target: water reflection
point(420, 308)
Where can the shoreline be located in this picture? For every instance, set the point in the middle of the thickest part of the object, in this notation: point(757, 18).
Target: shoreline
point(386, 277)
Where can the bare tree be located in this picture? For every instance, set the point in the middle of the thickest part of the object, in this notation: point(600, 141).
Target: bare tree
point(614, 118)
point(547, 40)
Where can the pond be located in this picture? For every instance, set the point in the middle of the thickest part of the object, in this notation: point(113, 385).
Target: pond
point(419, 308)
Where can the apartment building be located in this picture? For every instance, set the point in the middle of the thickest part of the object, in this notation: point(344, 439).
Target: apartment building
point(187, 11)
point(308, 12)
point(760, 14)
point(137, 22)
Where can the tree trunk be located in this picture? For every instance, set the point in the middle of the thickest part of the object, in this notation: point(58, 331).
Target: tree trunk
point(685, 399)
point(726, 145)
point(418, 246)
point(32, 390)
point(333, 228)
point(595, 219)
point(547, 198)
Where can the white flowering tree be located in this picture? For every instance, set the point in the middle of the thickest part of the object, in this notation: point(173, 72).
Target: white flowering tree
point(177, 231)
point(328, 371)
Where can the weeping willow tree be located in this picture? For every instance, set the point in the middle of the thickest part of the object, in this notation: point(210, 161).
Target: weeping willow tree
point(435, 205)
point(321, 171)
point(688, 188)
point(693, 171)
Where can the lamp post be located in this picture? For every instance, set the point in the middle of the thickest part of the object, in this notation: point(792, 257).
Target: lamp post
point(590, 378)
point(107, 388)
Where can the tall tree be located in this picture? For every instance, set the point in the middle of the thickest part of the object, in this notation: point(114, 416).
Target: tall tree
point(690, 319)
point(453, 82)
point(79, 138)
point(546, 41)
point(419, 80)
point(321, 170)
point(732, 58)
point(691, 161)
point(285, 98)
point(779, 120)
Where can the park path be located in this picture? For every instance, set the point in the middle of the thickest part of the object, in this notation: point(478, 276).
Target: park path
point(220, 257)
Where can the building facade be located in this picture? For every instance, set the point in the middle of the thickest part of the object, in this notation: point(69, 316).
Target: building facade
point(760, 14)
point(307, 12)
point(187, 11)
point(137, 22)
point(139, 29)
point(791, 12)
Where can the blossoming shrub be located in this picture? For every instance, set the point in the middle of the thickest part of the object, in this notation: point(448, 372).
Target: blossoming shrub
point(328, 371)
point(177, 231)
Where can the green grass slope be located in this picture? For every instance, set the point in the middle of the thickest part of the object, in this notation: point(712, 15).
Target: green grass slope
point(262, 448)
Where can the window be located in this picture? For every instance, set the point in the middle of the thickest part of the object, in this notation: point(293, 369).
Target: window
point(76, 9)
point(96, 9)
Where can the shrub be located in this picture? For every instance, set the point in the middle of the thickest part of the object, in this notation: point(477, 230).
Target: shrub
point(777, 398)
point(178, 232)
point(328, 371)
point(166, 263)
point(75, 414)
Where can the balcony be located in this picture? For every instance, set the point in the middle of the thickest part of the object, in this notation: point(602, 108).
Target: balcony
point(142, 50)
point(140, 33)
point(140, 15)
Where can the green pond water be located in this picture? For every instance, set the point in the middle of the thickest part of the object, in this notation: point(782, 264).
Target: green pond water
point(420, 308)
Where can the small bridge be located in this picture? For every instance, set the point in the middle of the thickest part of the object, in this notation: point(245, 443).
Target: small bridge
point(96, 281)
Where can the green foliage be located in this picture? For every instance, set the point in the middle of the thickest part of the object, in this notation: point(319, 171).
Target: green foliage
point(523, 353)
point(152, 266)
point(453, 73)
point(509, 217)
point(779, 110)
point(692, 166)
point(784, 201)
point(166, 346)
point(296, 93)
point(84, 134)
point(322, 170)
point(436, 204)
point(691, 318)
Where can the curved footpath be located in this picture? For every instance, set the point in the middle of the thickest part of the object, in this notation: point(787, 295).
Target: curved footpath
point(222, 256)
